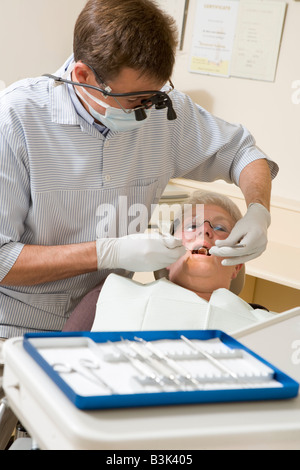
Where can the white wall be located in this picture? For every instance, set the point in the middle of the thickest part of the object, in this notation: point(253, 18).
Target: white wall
point(265, 108)
point(36, 37)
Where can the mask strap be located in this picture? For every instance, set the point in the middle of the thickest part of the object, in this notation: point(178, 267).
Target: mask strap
point(96, 100)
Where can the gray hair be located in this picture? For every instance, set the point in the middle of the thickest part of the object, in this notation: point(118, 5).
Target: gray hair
point(207, 197)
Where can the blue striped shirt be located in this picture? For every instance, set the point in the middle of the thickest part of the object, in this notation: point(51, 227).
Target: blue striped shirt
point(57, 169)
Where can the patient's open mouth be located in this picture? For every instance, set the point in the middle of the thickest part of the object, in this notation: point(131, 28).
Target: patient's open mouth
point(202, 250)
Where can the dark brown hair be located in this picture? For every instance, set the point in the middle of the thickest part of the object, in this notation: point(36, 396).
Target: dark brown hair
point(112, 34)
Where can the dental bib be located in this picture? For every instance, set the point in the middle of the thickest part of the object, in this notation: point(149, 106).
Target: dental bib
point(126, 305)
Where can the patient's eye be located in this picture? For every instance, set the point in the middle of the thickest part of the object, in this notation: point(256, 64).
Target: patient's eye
point(190, 228)
point(194, 226)
point(220, 228)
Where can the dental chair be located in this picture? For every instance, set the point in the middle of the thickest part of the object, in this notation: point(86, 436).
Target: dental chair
point(237, 285)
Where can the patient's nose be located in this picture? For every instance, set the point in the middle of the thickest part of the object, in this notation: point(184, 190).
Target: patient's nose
point(202, 235)
point(205, 229)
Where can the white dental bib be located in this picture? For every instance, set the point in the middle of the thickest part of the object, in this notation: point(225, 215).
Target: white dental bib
point(126, 305)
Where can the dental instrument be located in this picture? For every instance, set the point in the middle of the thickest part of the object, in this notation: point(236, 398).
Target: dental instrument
point(208, 356)
point(173, 365)
point(87, 364)
point(138, 365)
point(203, 250)
point(166, 373)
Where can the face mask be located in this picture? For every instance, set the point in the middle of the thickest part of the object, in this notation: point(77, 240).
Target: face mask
point(114, 119)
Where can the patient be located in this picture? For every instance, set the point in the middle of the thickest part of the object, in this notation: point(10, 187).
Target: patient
point(193, 293)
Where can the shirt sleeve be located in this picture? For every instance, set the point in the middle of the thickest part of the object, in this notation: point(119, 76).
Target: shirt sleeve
point(14, 198)
point(216, 149)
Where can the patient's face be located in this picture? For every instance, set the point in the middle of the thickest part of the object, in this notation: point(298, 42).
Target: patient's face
point(197, 269)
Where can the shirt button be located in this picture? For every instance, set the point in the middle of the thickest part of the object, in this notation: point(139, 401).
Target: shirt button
point(107, 178)
point(106, 144)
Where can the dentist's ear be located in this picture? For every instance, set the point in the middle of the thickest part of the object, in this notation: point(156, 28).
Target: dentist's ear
point(83, 73)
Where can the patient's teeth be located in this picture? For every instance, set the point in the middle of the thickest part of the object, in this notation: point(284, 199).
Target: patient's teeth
point(201, 251)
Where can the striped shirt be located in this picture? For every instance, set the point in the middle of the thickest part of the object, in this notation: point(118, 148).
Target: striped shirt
point(57, 169)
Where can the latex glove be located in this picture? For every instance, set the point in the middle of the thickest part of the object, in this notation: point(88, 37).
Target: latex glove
point(250, 231)
point(138, 252)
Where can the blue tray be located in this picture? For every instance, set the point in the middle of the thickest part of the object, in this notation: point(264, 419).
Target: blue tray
point(289, 388)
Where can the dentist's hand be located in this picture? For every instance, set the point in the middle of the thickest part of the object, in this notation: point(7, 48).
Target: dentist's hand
point(251, 232)
point(138, 252)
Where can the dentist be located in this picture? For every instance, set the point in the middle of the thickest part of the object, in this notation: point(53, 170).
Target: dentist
point(85, 154)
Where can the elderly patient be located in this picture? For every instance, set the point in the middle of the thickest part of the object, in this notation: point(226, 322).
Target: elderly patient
point(193, 293)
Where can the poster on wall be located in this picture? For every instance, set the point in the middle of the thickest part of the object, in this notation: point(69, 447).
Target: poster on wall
point(258, 37)
point(213, 36)
point(239, 38)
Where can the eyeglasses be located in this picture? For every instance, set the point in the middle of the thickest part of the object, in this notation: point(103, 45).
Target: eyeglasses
point(191, 228)
point(158, 98)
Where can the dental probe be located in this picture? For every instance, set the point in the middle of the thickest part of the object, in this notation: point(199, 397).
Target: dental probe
point(205, 251)
point(138, 365)
point(239, 245)
point(170, 362)
point(210, 358)
point(155, 364)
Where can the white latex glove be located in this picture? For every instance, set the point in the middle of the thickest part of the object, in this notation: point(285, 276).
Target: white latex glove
point(250, 231)
point(138, 252)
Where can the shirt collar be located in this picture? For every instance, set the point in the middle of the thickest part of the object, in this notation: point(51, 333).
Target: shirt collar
point(80, 109)
point(64, 101)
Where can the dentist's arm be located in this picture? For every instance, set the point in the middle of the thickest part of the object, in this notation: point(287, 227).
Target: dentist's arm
point(251, 230)
point(40, 264)
point(139, 252)
point(255, 183)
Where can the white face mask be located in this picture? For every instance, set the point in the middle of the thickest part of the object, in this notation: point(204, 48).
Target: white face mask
point(115, 118)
